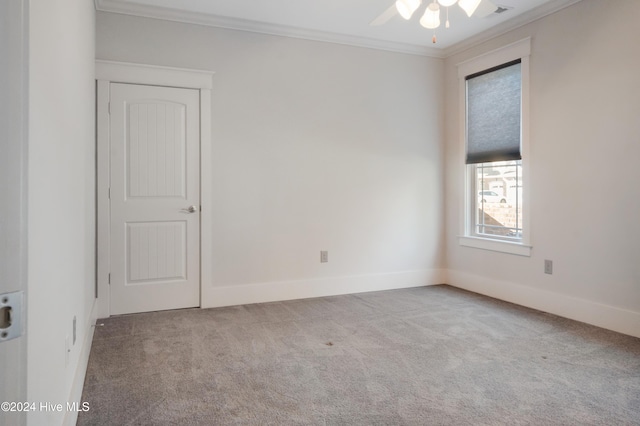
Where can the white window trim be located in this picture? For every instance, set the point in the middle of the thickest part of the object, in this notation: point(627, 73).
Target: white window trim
point(518, 50)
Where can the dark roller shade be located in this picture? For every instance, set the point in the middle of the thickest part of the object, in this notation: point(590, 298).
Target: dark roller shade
point(493, 114)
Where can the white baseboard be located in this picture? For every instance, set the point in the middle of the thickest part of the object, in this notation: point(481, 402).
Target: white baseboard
point(71, 417)
point(301, 289)
point(598, 314)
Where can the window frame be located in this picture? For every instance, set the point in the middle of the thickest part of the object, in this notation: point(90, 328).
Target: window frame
point(474, 223)
point(468, 238)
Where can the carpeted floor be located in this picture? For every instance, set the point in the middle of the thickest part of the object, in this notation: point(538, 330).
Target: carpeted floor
point(422, 356)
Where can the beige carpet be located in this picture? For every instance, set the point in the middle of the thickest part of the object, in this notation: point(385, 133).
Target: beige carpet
point(422, 356)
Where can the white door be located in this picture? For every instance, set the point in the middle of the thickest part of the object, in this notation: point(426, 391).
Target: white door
point(154, 198)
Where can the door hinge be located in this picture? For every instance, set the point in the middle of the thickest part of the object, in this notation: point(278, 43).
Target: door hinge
point(109, 278)
point(109, 108)
point(109, 193)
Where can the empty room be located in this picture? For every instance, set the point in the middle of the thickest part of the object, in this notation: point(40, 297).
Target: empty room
point(320, 212)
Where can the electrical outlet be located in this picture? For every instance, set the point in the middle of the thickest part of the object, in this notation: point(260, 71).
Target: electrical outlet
point(548, 266)
point(324, 256)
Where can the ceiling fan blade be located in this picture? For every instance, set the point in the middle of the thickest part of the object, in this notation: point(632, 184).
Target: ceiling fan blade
point(485, 8)
point(385, 16)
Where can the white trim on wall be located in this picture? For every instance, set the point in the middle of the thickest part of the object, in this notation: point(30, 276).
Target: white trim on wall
point(518, 50)
point(510, 52)
point(103, 230)
point(319, 287)
point(126, 72)
point(170, 14)
point(598, 314)
point(108, 72)
point(189, 17)
point(14, 144)
point(77, 386)
point(539, 12)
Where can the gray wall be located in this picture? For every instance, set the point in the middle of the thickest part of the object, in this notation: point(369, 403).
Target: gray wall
point(316, 146)
point(322, 146)
point(583, 188)
point(13, 190)
point(61, 200)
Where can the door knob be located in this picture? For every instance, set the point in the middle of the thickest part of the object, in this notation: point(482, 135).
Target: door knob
point(190, 209)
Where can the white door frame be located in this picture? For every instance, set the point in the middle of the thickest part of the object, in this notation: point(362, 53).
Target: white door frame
point(14, 112)
point(108, 72)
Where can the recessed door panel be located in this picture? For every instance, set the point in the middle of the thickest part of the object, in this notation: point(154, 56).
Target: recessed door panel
point(156, 252)
point(156, 149)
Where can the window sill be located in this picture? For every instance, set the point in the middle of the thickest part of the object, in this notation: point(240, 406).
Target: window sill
point(518, 249)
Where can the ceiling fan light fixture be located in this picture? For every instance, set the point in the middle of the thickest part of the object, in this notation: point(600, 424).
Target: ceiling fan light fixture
point(447, 3)
point(469, 6)
point(431, 17)
point(407, 7)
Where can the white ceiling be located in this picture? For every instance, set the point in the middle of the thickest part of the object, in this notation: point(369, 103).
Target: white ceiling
point(343, 21)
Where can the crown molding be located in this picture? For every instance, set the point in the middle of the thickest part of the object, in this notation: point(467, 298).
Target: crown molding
point(155, 12)
point(168, 14)
point(510, 25)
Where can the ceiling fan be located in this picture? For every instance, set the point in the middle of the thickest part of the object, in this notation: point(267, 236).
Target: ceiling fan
point(431, 17)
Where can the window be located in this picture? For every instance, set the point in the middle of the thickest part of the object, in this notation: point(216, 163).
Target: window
point(494, 100)
point(498, 209)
